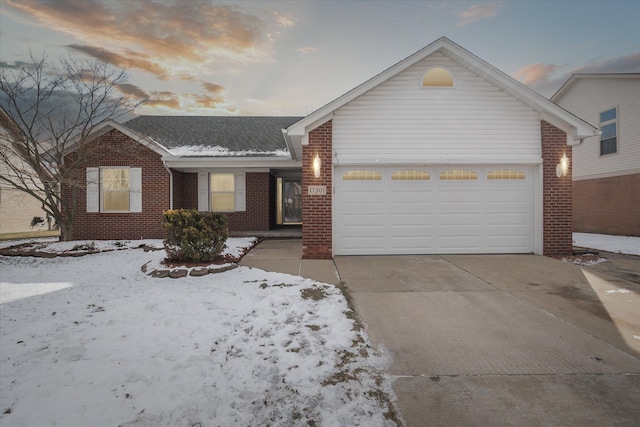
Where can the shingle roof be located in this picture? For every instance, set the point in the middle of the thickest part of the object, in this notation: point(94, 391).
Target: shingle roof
point(215, 135)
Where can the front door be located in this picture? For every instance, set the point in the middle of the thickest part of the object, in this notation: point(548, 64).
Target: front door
point(290, 201)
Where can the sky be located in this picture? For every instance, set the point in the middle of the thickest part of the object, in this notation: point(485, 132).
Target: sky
point(276, 58)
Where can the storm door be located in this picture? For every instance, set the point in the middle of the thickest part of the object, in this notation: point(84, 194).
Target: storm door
point(290, 201)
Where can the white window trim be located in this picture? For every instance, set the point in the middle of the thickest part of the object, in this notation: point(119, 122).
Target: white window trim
point(94, 193)
point(615, 121)
point(204, 193)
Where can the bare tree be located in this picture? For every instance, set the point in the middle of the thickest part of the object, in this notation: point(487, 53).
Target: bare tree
point(49, 115)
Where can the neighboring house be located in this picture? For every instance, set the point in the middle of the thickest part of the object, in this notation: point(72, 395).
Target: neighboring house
point(441, 153)
point(17, 208)
point(606, 168)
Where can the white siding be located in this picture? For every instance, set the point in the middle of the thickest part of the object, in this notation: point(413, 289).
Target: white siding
point(17, 208)
point(401, 122)
point(587, 98)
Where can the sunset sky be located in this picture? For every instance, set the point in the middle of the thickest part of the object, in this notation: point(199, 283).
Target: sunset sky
point(197, 57)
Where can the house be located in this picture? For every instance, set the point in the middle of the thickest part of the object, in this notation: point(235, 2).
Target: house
point(238, 165)
point(17, 208)
point(606, 167)
point(441, 153)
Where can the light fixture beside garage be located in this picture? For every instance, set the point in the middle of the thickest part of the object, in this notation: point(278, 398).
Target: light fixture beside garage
point(316, 166)
point(562, 168)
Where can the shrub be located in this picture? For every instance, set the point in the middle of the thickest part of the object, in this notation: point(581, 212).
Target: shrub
point(194, 236)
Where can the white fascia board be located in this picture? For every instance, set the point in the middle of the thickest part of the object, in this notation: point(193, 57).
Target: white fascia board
point(319, 122)
point(565, 86)
point(181, 163)
point(293, 145)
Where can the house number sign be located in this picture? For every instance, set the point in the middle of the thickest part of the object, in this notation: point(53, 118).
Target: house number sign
point(317, 190)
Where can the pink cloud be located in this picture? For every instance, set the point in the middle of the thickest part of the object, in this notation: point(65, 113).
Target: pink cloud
point(477, 12)
point(535, 73)
point(130, 33)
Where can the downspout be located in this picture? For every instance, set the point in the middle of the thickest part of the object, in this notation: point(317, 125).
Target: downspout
point(164, 163)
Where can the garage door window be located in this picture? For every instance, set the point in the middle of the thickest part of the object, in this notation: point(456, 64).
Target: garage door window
point(410, 175)
point(506, 174)
point(362, 175)
point(458, 175)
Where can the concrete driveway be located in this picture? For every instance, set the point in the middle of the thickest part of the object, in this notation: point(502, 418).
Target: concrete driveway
point(503, 340)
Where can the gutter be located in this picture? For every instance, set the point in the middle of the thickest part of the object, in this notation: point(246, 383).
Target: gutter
point(164, 163)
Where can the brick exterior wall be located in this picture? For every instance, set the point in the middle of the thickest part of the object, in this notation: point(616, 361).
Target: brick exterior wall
point(255, 218)
point(185, 191)
point(317, 226)
point(607, 205)
point(118, 149)
point(557, 203)
point(179, 195)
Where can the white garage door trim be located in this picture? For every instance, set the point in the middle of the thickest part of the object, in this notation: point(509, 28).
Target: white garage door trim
point(434, 210)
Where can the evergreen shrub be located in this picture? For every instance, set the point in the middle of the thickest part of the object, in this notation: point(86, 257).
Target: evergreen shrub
point(194, 236)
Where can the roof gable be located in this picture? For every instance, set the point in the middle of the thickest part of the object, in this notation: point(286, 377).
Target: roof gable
point(109, 125)
point(575, 78)
point(575, 127)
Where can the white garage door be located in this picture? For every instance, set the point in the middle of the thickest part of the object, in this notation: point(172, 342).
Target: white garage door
point(433, 210)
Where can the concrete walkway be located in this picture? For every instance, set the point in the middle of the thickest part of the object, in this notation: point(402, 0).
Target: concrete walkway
point(493, 340)
point(285, 256)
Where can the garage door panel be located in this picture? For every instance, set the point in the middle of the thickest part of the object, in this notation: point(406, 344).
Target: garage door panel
point(417, 245)
point(504, 220)
point(418, 231)
point(503, 231)
point(459, 244)
point(453, 196)
point(362, 220)
point(413, 219)
point(505, 244)
point(363, 197)
point(510, 196)
point(417, 195)
point(436, 215)
point(366, 246)
point(459, 219)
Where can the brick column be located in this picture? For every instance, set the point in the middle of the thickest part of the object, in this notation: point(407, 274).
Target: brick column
point(557, 193)
point(317, 228)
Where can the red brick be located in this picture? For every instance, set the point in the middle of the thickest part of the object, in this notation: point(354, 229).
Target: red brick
point(557, 203)
point(607, 205)
point(317, 230)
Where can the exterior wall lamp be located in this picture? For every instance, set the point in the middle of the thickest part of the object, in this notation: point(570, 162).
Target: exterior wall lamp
point(316, 166)
point(562, 168)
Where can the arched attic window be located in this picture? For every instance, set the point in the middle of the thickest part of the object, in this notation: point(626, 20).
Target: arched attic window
point(437, 77)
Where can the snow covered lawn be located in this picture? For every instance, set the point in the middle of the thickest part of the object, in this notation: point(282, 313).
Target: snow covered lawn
point(629, 245)
point(94, 341)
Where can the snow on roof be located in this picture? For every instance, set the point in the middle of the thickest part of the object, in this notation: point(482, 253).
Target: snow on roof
point(216, 136)
point(218, 151)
